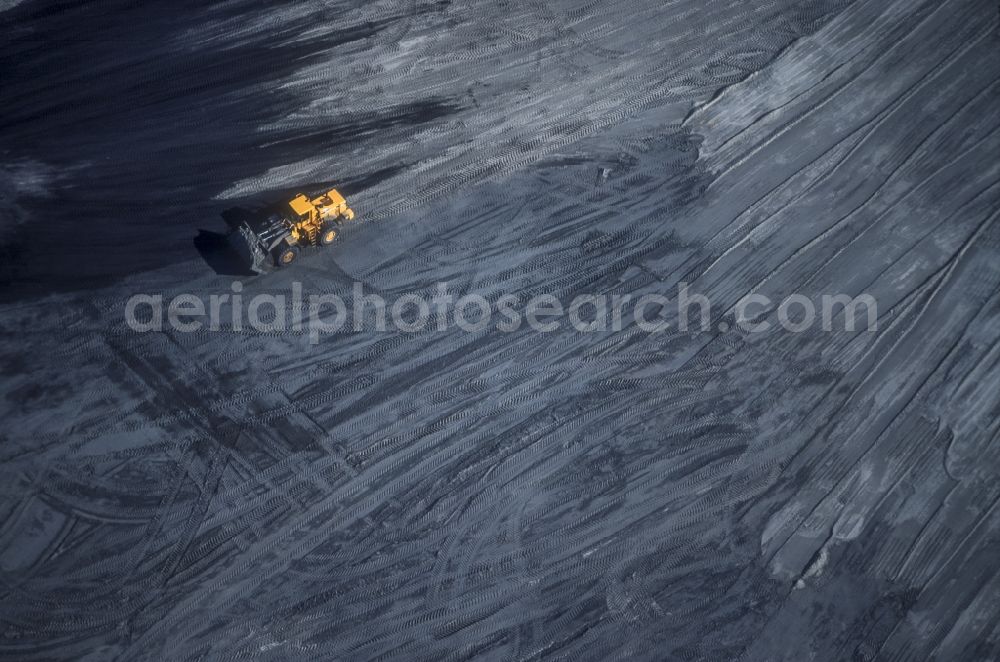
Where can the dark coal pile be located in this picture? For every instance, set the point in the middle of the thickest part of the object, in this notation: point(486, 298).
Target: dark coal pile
point(444, 493)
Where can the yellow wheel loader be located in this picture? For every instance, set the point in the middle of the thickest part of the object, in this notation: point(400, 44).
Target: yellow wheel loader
point(276, 237)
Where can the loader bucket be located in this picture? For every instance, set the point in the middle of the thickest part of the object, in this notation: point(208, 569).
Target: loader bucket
point(254, 238)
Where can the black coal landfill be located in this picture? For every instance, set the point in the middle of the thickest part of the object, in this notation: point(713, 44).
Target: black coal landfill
point(464, 330)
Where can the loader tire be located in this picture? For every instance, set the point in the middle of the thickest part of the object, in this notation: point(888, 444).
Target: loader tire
point(328, 234)
point(285, 255)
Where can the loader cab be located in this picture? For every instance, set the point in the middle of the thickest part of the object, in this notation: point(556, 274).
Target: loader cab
point(302, 210)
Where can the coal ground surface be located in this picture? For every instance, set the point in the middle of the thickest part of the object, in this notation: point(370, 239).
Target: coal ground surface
point(711, 494)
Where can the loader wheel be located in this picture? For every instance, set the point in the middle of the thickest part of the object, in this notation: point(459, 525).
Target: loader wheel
point(286, 255)
point(327, 235)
